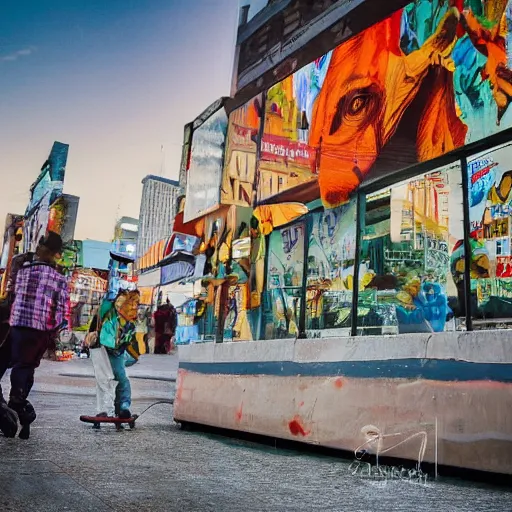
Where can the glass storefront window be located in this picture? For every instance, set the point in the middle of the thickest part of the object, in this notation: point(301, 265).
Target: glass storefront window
point(490, 207)
point(331, 260)
point(282, 300)
point(408, 277)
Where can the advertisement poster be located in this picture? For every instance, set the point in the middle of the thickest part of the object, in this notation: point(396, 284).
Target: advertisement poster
point(206, 164)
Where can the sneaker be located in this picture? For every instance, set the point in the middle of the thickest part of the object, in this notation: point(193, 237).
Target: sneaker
point(8, 420)
point(125, 414)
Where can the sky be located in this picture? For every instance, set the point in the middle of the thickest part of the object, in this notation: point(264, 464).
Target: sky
point(115, 80)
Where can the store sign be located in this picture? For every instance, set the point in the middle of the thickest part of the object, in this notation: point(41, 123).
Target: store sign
point(280, 149)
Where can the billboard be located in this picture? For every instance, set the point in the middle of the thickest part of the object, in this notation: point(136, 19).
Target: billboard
point(206, 163)
point(43, 193)
point(241, 151)
point(426, 80)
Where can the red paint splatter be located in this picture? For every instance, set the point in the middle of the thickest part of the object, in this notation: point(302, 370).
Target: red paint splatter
point(296, 427)
point(338, 383)
point(301, 404)
point(239, 413)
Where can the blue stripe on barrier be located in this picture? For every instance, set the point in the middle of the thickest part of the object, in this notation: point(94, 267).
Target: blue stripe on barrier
point(430, 369)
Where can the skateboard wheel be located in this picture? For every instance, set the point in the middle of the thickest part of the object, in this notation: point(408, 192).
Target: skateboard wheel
point(132, 425)
point(96, 426)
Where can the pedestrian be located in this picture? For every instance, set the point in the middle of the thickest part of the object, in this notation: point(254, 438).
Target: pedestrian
point(38, 313)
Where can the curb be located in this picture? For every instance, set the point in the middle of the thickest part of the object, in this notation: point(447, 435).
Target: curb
point(140, 377)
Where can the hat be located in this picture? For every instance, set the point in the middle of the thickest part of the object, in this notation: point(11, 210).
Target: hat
point(52, 241)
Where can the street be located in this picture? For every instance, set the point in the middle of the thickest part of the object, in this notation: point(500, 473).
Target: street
point(66, 465)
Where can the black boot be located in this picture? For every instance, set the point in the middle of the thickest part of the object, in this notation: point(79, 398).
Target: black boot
point(8, 419)
point(26, 414)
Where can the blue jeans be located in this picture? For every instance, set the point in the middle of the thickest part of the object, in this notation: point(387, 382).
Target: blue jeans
point(123, 390)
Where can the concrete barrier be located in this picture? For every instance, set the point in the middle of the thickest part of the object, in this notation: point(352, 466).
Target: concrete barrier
point(446, 397)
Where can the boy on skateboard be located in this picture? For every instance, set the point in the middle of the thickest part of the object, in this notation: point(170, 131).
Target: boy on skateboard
point(108, 354)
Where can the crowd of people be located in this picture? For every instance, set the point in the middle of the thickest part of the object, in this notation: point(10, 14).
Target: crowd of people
point(35, 310)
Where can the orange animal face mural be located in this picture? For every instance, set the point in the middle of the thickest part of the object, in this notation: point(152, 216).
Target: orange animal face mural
point(430, 78)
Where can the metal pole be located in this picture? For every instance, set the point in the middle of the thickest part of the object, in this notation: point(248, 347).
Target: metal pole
point(467, 244)
point(304, 289)
point(360, 223)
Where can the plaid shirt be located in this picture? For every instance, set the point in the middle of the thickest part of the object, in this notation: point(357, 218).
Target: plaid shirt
point(41, 298)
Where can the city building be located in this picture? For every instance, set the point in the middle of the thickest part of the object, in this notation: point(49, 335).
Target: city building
point(158, 207)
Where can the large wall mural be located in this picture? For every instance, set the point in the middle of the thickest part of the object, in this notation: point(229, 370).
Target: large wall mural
point(428, 79)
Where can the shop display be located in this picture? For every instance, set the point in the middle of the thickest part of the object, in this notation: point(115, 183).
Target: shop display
point(411, 230)
point(331, 259)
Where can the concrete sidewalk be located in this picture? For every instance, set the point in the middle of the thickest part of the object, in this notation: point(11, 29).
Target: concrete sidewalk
point(152, 377)
point(149, 367)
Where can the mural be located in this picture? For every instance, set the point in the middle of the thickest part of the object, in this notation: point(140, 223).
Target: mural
point(490, 187)
point(206, 163)
point(430, 78)
point(240, 161)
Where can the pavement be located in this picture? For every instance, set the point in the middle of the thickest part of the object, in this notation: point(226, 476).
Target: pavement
point(67, 466)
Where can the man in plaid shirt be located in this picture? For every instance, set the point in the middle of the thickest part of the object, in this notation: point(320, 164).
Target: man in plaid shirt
point(38, 312)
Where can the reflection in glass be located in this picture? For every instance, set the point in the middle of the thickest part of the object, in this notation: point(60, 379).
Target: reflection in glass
point(490, 198)
point(331, 259)
point(410, 232)
point(282, 299)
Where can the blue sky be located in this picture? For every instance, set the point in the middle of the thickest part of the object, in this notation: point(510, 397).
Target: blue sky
point(115, 79)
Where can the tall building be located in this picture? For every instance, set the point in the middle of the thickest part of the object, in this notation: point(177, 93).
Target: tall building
point(157, 211)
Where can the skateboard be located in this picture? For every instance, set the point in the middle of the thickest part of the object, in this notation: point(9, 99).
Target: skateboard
point(118, 422)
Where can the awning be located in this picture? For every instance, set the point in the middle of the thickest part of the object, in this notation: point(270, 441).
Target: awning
point(153, 256)
point(180, 267)
point(303, 193)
